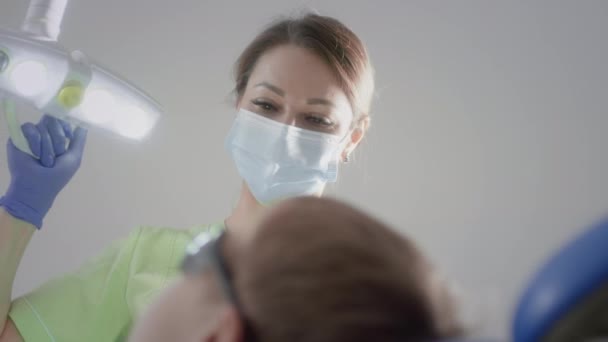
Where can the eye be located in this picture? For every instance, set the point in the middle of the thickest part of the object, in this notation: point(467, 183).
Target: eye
point(265, 106)
point(320, 121)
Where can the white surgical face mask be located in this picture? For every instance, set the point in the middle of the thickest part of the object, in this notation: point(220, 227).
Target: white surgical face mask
point(279, 161)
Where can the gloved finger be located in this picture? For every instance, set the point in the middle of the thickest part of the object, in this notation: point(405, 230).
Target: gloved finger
point(32, 135)
point(47, 154)
point(78, 141)
point(57, 134)
point(67, 128)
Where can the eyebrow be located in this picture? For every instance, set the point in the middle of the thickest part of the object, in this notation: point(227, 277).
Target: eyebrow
point(271, 87)
point(281, 92)
point(317, 101)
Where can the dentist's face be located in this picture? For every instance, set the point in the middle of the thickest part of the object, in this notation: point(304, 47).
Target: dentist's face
point(293, 86)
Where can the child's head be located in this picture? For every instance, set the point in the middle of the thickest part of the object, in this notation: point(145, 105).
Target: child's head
point(313, 270)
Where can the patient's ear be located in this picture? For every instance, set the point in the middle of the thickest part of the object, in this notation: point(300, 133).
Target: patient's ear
point(230, 327)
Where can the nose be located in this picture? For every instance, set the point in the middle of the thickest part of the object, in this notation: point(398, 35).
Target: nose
point(288, 117)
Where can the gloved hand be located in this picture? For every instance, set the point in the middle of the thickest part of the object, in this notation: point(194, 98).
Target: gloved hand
point(36, 182)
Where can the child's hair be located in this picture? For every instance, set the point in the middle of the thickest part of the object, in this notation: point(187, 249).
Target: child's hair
point(319, 270)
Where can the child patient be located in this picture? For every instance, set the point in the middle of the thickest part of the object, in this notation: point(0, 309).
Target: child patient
point(313, 270)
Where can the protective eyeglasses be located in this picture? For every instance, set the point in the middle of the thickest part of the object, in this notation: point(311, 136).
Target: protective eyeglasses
point(205, 251)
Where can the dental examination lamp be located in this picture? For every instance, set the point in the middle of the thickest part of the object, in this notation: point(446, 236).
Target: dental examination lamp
point(36, 70)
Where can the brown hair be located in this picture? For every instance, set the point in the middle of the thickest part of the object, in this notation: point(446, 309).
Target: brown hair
point(318, 270)
point(329, 39)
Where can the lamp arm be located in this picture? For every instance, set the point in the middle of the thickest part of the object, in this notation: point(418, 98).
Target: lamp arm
point(43, 19)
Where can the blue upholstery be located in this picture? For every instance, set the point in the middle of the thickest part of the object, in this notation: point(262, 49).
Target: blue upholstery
point(567, 279)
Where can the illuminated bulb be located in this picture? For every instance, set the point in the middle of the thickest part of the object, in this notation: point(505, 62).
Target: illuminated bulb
point(29, 78)
point(133, 122)
point(98, 106)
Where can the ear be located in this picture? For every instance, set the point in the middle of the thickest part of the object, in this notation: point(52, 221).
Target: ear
point(355, 137)
point(230, 327)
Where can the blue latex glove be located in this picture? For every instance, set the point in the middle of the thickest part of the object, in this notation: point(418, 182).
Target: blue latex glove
point(36, 182)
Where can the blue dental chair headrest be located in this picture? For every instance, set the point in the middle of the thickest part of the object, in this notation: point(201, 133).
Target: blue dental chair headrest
point(567, 299)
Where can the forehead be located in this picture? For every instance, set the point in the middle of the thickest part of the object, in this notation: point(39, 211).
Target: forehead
point(299, 72)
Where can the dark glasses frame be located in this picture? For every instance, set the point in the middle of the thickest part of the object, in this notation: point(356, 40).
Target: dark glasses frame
point(205, 252)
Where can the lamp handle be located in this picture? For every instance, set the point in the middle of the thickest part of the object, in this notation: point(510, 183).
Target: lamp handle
point(44, 17)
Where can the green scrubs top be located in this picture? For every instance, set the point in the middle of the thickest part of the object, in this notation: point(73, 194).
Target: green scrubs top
point(101, 301)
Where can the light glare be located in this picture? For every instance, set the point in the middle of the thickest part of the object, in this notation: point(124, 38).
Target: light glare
point(98, 106)
point(133, 122)
point(29, 78)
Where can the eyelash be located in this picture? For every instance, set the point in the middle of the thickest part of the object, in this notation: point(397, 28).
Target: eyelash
point(317, 120)
point(268, 108)
point(263, 104)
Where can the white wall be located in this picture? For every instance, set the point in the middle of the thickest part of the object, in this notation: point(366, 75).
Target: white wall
point(488, 144)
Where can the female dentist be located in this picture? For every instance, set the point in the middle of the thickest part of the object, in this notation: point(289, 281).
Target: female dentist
point(303, 92)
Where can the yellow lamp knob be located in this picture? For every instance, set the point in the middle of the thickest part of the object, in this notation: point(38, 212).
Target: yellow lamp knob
point(70, 94)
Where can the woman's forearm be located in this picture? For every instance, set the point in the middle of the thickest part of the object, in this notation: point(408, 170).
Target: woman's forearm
point(15, 235)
